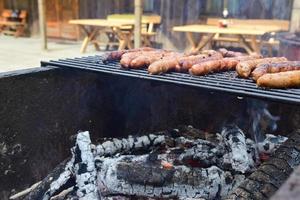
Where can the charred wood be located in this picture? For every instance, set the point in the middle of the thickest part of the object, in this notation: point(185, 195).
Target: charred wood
point(132, 176)
point(263, 183)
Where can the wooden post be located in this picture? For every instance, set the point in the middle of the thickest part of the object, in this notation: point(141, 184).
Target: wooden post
point(138, 11)
point(295, 17)
point(42, 23)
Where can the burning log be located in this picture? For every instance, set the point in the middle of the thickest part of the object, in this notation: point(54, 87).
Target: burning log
point(84, 167)
point(136, 176)
point(267, 179)
point(125, 145)
point(238, 157)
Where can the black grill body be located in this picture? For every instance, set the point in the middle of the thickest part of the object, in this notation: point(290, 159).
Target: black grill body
point(42, 108)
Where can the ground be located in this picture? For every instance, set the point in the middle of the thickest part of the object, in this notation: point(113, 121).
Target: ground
point(21, 53)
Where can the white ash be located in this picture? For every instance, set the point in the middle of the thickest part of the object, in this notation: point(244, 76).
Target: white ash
point(235, 139)
point(208, 183)
point(271, 143)
point(85, 170)
point(111, 147)
point(61, 180)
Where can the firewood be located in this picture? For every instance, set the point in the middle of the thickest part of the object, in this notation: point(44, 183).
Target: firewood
point(84, 167)
point(132, 175)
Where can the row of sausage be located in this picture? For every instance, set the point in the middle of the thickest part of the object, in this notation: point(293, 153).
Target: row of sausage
point(272, 72)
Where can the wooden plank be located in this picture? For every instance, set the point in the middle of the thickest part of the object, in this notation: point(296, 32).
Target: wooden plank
point(102, 22)
point(282, 24)
point(246, 30)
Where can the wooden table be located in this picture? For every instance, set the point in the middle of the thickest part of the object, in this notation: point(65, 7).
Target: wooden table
point(93, 27)
point(241, 31)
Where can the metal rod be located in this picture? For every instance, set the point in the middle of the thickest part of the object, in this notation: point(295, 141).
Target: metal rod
point(42, 23)
point(138, 11)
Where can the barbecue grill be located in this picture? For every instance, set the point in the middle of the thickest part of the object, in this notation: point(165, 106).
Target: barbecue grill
point(224, 82)
point(43, 108)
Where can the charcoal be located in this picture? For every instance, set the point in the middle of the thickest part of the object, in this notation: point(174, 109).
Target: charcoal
point(271, 174)
point(63, 178)
point(172, 166)
point(235, 139)
point(84, 167)
point(180, 181)
point(125, 145)
point(271, 143)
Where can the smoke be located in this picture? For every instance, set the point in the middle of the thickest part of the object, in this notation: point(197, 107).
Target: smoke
point(261, 121)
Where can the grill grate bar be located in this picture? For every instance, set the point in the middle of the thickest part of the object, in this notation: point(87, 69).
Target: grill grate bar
point(235, 82)
point(224, 82)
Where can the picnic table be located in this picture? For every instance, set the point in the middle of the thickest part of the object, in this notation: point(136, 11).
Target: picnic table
point(93, 27)
point(242, 32)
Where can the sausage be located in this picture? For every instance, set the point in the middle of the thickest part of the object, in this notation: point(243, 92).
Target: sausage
point(224, 64)
point(213, 66)
point(166, 64)
point(245, 68)
point(147, 58)
point(117, 55)
point(227, 53)
point(262, 69)
point(187, 62)
point(280, 80)
point(163, 66)
point(128, 57)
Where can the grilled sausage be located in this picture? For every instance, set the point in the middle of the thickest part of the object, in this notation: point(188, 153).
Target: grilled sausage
point(245, 68)
point(163, 66)
point(147, 58)
point(224, 64)
point(280, 80)
point(262, 69)
point(187, 62)
point(128, 57)
point(117, 55)
point(166, 64)
point(227, 53)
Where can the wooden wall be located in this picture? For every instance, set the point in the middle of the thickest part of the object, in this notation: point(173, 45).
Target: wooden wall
point(102, 8)
point(1, 5)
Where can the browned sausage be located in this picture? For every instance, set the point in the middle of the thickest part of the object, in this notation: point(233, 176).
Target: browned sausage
point(128, 57)
point(147, 58)
point(163, 66)
point(245, 68)
point(280, 80)
point(227, 53)
point(187, 62)
point(116, 55)
point(166, 64)
point(213, 66)
point(224, 64)
point(266, 68)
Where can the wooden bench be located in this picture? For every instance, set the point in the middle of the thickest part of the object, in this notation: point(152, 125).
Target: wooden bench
point(282, 24)
point(12, 27)
point(148, 23)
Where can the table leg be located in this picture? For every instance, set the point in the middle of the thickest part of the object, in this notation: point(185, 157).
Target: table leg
point(191, 40)
point(254, 44)
point(244, 44)
point(93, 36)
point(90, 35)
point(84, 44)
point(204, 41)
point(124, 38)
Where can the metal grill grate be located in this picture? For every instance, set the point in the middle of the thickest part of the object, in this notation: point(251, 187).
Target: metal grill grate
point(225, 82)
